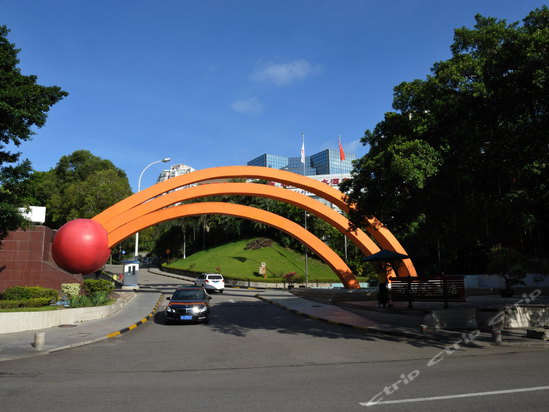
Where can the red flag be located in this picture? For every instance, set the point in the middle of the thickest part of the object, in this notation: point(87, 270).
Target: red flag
point(341, 152)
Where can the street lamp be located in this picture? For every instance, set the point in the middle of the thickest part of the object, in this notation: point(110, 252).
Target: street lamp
point(306, 260)
point(166, 159)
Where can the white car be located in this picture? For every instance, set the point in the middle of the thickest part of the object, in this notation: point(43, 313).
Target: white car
point(211, 281)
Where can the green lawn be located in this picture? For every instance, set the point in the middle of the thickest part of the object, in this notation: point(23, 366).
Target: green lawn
point(233, 261)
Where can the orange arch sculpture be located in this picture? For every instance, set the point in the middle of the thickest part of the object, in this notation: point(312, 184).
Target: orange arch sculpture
point(359, 238)
point(379, 232)
point(331, 258)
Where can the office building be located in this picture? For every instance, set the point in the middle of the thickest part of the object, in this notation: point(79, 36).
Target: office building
point(326, 162)
point(325, 166)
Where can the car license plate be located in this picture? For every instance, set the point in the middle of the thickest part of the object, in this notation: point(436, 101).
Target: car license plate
point(186, 317)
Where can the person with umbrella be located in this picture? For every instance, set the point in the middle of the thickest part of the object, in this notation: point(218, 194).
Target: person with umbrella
point(385, 257)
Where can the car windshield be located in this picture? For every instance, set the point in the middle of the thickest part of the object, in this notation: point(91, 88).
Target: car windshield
point(188, 295)
point(215, 277)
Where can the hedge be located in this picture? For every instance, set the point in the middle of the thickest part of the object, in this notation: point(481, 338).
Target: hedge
point(29, 292)
point(24, 303)
point(93, 286)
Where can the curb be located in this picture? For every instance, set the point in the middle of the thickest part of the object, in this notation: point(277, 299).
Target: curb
point(113, 334)
point(181, 277)
point(135, 325)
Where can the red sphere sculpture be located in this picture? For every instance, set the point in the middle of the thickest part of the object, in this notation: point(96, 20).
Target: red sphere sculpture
point(81, 246)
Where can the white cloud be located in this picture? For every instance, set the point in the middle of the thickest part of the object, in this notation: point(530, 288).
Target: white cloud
point(284, 73)
point(353, 146)
point(251, 105)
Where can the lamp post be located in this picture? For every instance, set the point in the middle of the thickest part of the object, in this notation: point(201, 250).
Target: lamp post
point(306, 259)
point(303, 160)
point(166, 159)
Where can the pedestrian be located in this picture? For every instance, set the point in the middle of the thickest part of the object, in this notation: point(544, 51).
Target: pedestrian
point(383, 294)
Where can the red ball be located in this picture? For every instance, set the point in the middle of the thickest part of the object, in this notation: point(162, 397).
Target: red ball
point(81, 246)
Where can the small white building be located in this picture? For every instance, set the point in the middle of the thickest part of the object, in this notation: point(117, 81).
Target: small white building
point(174, 171)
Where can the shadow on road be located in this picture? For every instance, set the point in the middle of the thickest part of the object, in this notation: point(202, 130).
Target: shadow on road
point(240, 317)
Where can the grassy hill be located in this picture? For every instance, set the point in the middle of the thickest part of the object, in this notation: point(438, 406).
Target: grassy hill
point(241, 260)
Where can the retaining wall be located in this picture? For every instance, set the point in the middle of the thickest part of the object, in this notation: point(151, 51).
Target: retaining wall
point(21, 321)
point(26, 260)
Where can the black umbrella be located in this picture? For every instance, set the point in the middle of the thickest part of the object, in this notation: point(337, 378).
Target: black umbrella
point(384, 255)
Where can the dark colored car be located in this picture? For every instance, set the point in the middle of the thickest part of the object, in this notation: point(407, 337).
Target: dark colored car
point(188, 304)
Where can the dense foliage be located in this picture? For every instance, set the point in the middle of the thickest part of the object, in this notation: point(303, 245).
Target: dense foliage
point(29, 292)
point(24, 105)
point(460, 168)
point(81, 185)
point(94, 286)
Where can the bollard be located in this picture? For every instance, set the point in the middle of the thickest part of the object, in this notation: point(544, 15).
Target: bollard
point(39, 340)
point(423, 329)
point(496, 335)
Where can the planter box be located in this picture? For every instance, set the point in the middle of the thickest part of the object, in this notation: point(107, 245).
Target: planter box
point(11, 322)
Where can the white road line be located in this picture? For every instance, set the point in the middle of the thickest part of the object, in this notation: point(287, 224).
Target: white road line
point(462, 395)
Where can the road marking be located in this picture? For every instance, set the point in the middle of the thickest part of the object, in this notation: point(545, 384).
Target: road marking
point(462, 395)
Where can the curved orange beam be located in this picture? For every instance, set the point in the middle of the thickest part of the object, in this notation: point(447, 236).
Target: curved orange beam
point(340, 222)
point(219, 208)
point(379, 232)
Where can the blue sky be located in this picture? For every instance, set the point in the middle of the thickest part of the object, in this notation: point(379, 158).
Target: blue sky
point(218, 82)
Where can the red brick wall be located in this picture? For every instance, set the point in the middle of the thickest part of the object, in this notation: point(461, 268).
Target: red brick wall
point(26, 260)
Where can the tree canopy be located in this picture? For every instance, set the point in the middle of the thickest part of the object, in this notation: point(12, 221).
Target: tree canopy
point(80, 186)
point(24, 105)
point(461, 164)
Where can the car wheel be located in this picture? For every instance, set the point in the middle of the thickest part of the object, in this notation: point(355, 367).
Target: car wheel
point(220, 290)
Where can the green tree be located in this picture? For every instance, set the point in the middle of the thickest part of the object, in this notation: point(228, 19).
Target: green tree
point(24, 105)
point(461, 165)
point(80, 186)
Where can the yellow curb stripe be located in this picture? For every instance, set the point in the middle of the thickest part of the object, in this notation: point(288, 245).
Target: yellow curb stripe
point(135, 325)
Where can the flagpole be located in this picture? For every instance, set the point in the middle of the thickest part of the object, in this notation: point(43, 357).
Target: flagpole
point(305, 212)
point(341, 178)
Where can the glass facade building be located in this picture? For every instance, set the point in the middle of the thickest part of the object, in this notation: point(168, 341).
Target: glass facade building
point(326, 162)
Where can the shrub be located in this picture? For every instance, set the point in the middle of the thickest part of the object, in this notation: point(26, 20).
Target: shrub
point(291, 278)
point(92, 286)
point(70, 289)
point(80, 302)
point(30, 292)
point(24, 303)
point(99, 298)
point(96, 299)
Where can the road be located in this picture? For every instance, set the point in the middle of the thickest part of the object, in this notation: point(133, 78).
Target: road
point(257, 357)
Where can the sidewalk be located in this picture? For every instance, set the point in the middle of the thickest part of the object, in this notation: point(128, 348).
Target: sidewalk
point(337, 315)
point(138, 310)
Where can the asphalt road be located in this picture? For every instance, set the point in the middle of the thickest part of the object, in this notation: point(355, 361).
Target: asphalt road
point(255, 356)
